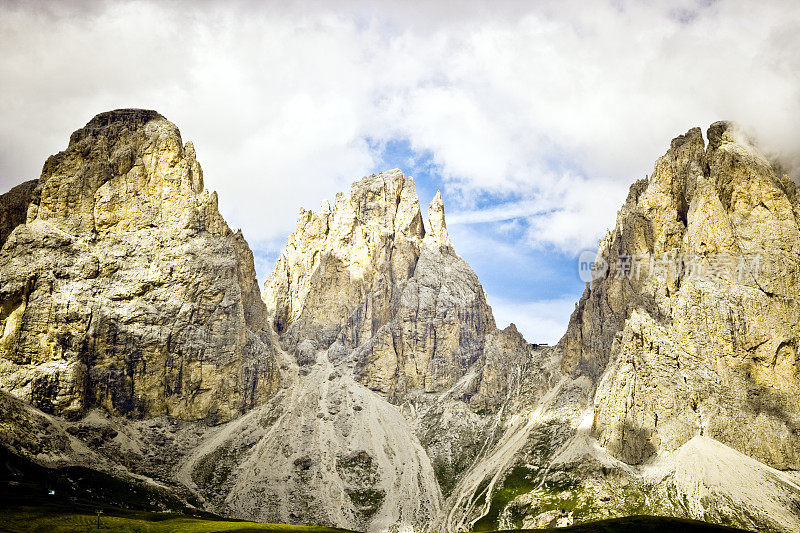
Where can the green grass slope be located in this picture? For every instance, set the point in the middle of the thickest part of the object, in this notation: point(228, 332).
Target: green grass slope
point(48, 520)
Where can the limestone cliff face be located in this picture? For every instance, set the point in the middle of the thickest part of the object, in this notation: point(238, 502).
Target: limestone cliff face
point(356, 250)
point(124, 294)
point(396, 379)
point(703, 341)
point(678, 391)
point(365, 280)
point(124, 288)
point(14, 208)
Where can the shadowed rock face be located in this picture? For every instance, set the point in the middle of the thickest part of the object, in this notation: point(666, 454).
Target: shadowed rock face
point(685, 351)
point(124, 288)
point(14, 208)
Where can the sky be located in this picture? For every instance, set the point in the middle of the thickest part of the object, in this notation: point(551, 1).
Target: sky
point(532, 118)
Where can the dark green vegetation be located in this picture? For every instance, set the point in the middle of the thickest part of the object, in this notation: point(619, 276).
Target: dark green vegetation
point(52, 519)
point(566, 493)
point(643, 524)
point(519, 480)
point(25, 483)
point(26, 504)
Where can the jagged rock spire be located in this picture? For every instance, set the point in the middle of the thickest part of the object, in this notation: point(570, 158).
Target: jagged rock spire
point(438, 226)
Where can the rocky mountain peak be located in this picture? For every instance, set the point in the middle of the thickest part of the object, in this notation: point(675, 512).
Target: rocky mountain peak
point(438, 227)
point(125, 289)
point(125, 170)
point(374, 306)
point(700, 335)
point(368, 282)
point(365, 242)
point(717, 131)
point(111, 123)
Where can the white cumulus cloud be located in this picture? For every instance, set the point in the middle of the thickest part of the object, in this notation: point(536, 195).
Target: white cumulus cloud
point(540, 321)
point(555, 107)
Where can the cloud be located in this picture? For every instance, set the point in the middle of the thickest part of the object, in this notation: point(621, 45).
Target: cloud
point(280, 100)
point(549, 110)
point(539, 321)
point(566, 216)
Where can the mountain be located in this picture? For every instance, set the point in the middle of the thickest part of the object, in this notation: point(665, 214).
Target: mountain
point(680, 391)
point(365, 281)
point(397, 371)
point(122, 286)
point(370, 388)
point(718, 338)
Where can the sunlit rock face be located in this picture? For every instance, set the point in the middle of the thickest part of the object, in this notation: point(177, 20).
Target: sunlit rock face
point(370, 387)
point(705, 342)
point(124, 288)
point(679, 373)
point(367, 281)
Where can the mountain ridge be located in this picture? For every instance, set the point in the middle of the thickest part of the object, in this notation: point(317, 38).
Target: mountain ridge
point(368, 386)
